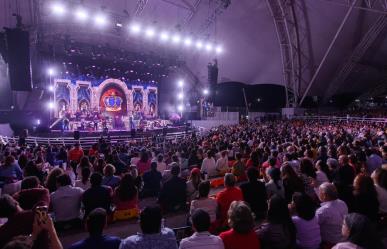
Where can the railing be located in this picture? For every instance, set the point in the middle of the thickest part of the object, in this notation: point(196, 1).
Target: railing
point(343, 118)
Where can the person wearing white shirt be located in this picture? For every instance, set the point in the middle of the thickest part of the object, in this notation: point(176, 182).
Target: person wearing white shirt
point(222, 163)
point(380, 180)
point(331, 214)
point(321, 177)
point(161, 165)
point(209, 165)
point(201, 239)
point(66, 200)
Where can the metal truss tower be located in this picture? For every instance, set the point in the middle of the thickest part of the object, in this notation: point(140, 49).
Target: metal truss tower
point(291, 23)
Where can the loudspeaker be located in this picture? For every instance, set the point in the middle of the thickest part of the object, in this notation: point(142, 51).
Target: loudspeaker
point(77, 135)
point(19, 63)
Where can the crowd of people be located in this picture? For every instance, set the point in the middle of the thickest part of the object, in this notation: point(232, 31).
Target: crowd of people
point(286, 184)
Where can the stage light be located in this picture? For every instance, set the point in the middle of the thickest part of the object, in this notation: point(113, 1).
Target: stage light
point(50, 71)
point(187, 42)
point(206, 92)
point(180, 83)
point(180, 108)
point(119, 25)
point(81, 15)
point(51, 88)
point(208, 47)
point(51, 105)
point(219, 49)
point(135, 28)
point(164, 36)
point(180, 96)
point(150, 32)
point(58, 9)
point(100, 20)
point(38, 121)
point(199, 45)
point(176, 39)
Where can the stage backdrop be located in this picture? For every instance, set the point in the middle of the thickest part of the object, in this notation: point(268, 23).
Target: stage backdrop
point(109, 96)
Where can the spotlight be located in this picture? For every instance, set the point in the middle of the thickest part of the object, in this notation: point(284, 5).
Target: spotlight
point(38, 121)
point(135, 28)
point(180, 83)
point(81, 15)
point(176, 39)
point(219, 49)
point(119, 25)
point(58, 9)
point(208, 47)
point(199, 45)
point(51, 105)
point(51, 88)
point(164, 36)
point(180, 108)
point(180, 96)
point(206, 92)
point(187, 41)
point(51, 71)
point(100, 20)
point(150, 32)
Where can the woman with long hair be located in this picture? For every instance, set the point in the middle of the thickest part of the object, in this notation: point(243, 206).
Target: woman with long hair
point(143, 164)
point(291, 181)
point(278, 232)
point(51, 179)
point(275, 184)
point(84, 182)
point(365, 197)
point(380, 181)
point(359, 232)
point(126, 194)
point(241, 221)
point(308, 176)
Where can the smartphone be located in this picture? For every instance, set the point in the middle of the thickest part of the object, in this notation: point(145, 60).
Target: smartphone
point(41, 212)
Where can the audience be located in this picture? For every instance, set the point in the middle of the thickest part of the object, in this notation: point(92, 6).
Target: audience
point(109, 179)
point(365, 197)
point(203, 202)
point(380, 181)
point(153, 234)
point(84, 182)
point(275, 184)
point(96, 222)
point(209, 165)
point(125, 196)
point(193, 184)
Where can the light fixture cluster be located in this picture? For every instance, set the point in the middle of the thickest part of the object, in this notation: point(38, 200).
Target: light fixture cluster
point(180, 97)
point(101, 20)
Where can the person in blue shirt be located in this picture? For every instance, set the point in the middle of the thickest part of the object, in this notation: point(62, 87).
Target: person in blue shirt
point(153, 235)
point(10, 171)
point(95, 223)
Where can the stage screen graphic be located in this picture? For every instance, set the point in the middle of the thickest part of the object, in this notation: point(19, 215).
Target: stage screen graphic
point(113, 100)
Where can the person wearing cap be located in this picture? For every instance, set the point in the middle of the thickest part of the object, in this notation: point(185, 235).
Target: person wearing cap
point(193, 184)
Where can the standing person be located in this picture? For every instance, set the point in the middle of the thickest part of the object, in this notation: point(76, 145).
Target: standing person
point(227, 196)
point(76, 153)
point(241, 235)
point(380, 181)
point(153, 235)
point(365, 197)
point(10, 171)
point(292, 183)
point(152, 181)
point(331, 214)
point(209, 165)
point(97, 196)
point(306, 222)
point(173, 193)
point(254, 193)
point(144, 163)
point(161, 165)
point(201, 239)
point(275, 184)
point(96, 222)
point(278, 232)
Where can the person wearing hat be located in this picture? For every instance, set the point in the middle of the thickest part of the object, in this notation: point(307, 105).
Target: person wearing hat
point(193, 184)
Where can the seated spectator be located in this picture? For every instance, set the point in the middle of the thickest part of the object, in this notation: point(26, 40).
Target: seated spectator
point(153, 235)
point(275, 185)
point(51, 179)
point(222, 163)
point(331, 214)
point(374, 161)
point(359, 233)
point(84, 163)
point(241, 235)
point(193, 184)
point(125, 196)
point(143, 164)
point(203, 202)
point(306, 222)
point(201, 223)
point(10, 171)
point(209, 165)
point(292, 183)
point(161, 165)
point(97, 196)
point(308, 176)
point(109, 179)
point(84, 182)
point(32, 194)
point(173, 193)
point(225, 197)
point(365, 197)
point(19, 222)
point(379, 177)
point(152, 181)
point(66, 202)
point(278, 232)
point(254, 193)
point(238, 168)
point(96, 222)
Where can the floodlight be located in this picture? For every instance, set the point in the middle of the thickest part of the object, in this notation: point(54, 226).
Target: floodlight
point(100, 20)
point(206, 92)
point(164, 36)
point(50, 71)
point(51, 105)
point(51, 88)
point(176, 39)
point(135, 28)
point(208, 47)
point(180, 108)
point(180, 96)
point(199, 45)
point(150, 32)
point(187, 42)
point(219, 49)
point(81, 15)
point(58, 9)
point(180, 83)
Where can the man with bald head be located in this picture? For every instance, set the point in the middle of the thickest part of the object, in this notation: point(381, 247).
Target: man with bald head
point(330, 214)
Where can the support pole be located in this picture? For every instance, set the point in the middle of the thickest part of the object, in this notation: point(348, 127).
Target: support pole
point(328, 51)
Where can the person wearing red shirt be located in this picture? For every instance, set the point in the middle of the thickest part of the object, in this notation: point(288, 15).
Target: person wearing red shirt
point(76, 153)
point(227, 196)
point(241, 235)
point(32, 194)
